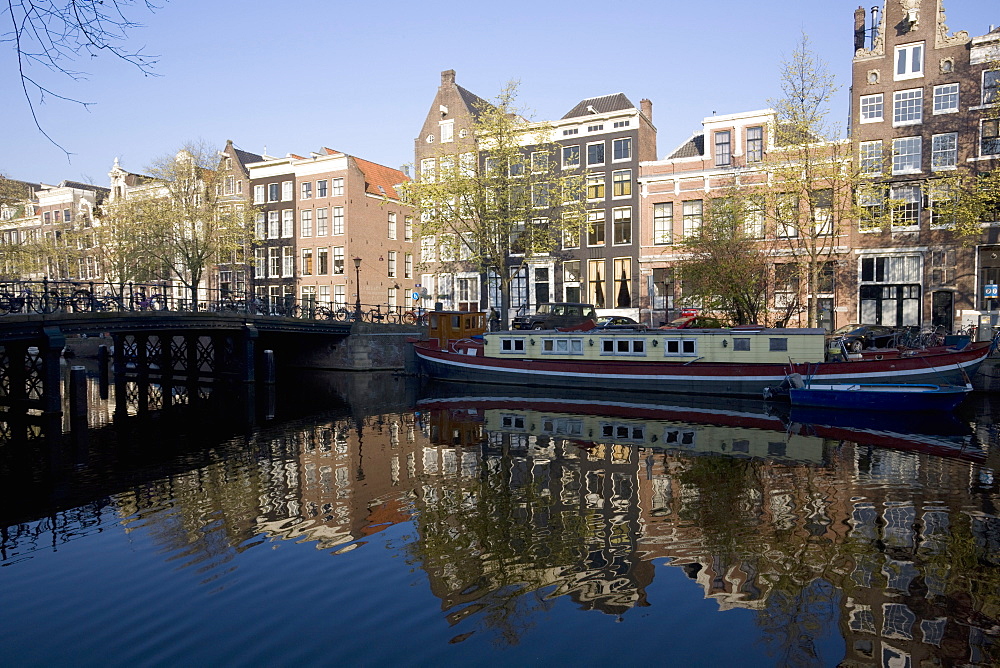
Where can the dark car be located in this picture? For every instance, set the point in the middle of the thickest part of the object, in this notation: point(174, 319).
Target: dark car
point(556, 314)
point(858, 337)
point(617, 322)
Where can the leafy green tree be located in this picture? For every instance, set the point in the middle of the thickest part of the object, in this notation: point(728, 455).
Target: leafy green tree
point(504, 204)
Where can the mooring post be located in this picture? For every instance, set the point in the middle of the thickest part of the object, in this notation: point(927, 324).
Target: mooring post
point(248, 358)
point(103, 377)
point(77, 398)
point(51, 354)
point(269, 367)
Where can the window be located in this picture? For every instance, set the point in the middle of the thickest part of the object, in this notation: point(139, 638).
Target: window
point(741, 344)
point(680, 347)
point(622, 282)
point(777, 345)
point(595, 186)
point(340, 295)
point(260, 262)
point(539, 195)
point(622, 224)
point(622, 149)
point(871, 108)
point(596, 273)
point(562, 346)
point(906, 155)
point(338, 220)
point(287, 261)
point(571, 131)
point(570, 157)
point(273, 192)
point(871, 199)
point(691, 217)
point(306, 223)
point(622, 346)
point(307, 261)
point(905, 206)
point(870, 153)
point(258, 194)
point(753, 219)
point(508, 345)
point(287, 191)
point(408, 228)
point(321, 190)
point(989, 143)
point(539, 161)
point(392, 225)
point(991, 86)
point(939, 203)
point(229, 185)
point(261, 225)
point(663, 223)
point(322, 261)
point(595, 154)
point(338, 260)
point(274, 262)
point(944, 151)
point(273, 224)
point(909, 61)
point(595, 128)
point(946, 98)
point(571, 280)
point(287, 223)
point(755, 144)
point(322, 222)
point(821, 202)
point(408, 265)
point(723, 148)
point(447, 129)
point(787, 213)
point(336, 187)
point(621, 183)
point(391, 264)
point(307, 190)
point(516, 166)
point(907, 107)
point(595, 228)
point(786, 284)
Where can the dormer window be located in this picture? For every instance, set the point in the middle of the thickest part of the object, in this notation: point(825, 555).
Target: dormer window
point(909, 61)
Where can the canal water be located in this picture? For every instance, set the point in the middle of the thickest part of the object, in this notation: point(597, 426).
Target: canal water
point(370, 519)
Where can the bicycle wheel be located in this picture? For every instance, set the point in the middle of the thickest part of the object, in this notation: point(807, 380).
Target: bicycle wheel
point(157, 303)
point(45, 303)
point(392, 317)
point(409, 318)
point(83, 301)
point(375, 315)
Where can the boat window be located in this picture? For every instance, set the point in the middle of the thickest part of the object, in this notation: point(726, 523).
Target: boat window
point(512, 345)
point(741, 344)
point(562, 346)
point(778, 344)
point(680, 347)
point(512, 421)
point(621, 346)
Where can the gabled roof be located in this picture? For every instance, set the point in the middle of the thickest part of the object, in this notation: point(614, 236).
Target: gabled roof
point(246, 157)
point(84, 186)
point(600, 105)
point(379, 179)
point(475, 103)
point(692, 148)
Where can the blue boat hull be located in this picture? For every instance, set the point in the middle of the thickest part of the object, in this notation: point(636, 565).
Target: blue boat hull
point(882, 397)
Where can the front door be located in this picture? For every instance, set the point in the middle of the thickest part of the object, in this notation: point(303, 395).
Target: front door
point(943, 309)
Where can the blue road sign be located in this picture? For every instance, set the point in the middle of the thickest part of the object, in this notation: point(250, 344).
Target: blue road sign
point(990, 291)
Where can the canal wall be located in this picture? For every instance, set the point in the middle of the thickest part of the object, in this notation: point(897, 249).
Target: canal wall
point(370, 347)
point(987, 379)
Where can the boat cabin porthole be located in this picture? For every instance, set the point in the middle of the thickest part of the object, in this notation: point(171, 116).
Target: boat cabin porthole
point(878, 357)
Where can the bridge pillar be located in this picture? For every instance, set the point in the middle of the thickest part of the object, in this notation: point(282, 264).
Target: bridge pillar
point(246, 358)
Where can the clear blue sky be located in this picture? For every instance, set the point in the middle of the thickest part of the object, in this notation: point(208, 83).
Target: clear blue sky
point(360, 77)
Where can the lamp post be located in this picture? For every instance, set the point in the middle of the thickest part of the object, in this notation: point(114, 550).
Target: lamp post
point(357, 282)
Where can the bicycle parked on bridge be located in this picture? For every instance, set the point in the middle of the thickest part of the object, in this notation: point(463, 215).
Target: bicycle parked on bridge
point(27, 300)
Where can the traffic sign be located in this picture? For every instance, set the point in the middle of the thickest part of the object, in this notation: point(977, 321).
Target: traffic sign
point(990, 291)
point(415, 296)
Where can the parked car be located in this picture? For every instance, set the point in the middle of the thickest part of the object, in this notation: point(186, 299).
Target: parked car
point(617, 322)
point(693, 322)
point(858, 337)
point(556, 314)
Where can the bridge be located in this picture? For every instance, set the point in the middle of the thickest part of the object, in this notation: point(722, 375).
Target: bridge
point(169, 342)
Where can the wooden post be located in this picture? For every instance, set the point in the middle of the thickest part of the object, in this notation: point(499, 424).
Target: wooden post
point(78, 397)
point(51, 353)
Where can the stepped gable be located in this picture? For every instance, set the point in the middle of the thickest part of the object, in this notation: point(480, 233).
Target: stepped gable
point(600, 105)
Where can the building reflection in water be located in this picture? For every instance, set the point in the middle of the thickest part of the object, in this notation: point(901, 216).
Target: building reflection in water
point(518, 501)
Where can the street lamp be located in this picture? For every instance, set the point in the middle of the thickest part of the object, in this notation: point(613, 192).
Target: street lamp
point(357, 282)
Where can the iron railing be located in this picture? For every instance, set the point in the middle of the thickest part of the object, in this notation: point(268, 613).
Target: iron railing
point(47, 297)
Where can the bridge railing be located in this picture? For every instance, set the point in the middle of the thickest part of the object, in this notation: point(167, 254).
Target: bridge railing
point(47, 297)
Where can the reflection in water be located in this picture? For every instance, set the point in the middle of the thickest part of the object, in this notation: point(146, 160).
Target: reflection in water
point(886, 539)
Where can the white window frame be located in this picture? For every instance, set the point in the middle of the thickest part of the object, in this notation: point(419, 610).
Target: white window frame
point(663, 223)
point(982, 127)
point(287, 223)
point(908, 192)
point(996, 89)
point(306, 223)
point(569, 149)
point(447, 131)
point(619, 346)
point(337, 221)
point(259, 193)
point(679, 347)
point(392, 225)
point(626, 141)
point(870, 157)
point(306, 190)
point(561, 346)
point(942, 146)
point(908, 103)
point(906, 51)
point(512, 345)
point(287, 191)
point(337, 187)
point(910, 166)
point(604, 150)
point(942, 93)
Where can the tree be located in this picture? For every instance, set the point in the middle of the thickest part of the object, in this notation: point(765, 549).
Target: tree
point(120, 244)
point(504, 205)
point(53, 34)
point(726, 268)
point(184, 224)
point(813, 180)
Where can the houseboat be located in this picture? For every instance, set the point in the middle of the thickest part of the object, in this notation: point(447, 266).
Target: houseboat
point(702, 361)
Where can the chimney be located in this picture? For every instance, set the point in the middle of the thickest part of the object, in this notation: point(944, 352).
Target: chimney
point(647, 109)
point(448, 78)
point(859, 28)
